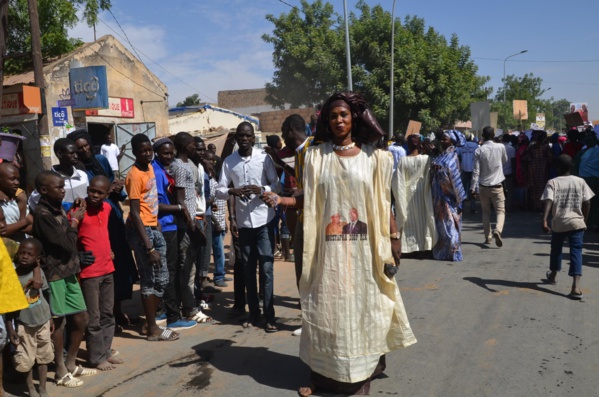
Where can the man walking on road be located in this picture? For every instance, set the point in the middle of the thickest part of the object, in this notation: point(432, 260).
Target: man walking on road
point(488, 176)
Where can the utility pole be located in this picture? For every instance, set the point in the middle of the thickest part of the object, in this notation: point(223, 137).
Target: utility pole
point(350, 84)
point(3, 35)
point(38, 72)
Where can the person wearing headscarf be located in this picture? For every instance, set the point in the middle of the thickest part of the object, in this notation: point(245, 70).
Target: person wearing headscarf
point(346, 279)
point(413, 198)
point(125, 274)
point(586, 166)
point(521, 182)
point(538, 157)
point(448, 195)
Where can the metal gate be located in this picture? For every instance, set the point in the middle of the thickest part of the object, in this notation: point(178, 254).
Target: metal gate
point(123, 135)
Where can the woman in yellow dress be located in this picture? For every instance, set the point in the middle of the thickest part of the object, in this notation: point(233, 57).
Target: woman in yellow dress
point(352, 310)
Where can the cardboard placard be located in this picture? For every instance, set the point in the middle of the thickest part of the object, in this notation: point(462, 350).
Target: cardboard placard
point(573, 119)
point(520, 109)
point(493, 116)
point(480, 113)
point(413, 128)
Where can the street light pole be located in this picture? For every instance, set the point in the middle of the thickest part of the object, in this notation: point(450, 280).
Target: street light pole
point(350, 85)
point(504, 61)
point(391, 93)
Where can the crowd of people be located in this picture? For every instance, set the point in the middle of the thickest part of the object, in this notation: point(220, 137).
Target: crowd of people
point(337, 200)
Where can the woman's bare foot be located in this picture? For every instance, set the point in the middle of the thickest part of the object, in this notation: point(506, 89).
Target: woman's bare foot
point(105, 366)
point(115, 360)
point(306, 391)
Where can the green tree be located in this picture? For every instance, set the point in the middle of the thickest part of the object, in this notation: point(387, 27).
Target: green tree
point(55, 17)
point(308, 55)
point(528, 88)
point(190, 101)
point(435, 80)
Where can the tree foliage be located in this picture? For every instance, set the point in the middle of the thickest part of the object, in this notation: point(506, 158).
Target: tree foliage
point(530, 89)
point(435, 79)
point(55, 18)
point(190, 101)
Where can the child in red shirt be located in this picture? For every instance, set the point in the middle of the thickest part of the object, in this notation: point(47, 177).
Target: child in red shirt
point(96, 275)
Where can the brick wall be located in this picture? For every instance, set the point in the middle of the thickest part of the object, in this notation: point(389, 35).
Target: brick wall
point(233, 99)
point(272, 121)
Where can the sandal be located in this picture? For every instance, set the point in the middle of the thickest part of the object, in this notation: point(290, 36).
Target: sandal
point(271, 326)
point(577, 295)
point(69, 381)
point(80, 372)
point(167, 335)
point(549, 281)
point(201, 318)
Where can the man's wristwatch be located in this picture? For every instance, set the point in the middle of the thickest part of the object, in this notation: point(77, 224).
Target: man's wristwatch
point(395, 236)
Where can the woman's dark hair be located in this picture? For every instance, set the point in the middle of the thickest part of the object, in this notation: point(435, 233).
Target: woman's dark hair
point(365, 128)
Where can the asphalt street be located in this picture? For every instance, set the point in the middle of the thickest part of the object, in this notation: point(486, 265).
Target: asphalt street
point(487, 326)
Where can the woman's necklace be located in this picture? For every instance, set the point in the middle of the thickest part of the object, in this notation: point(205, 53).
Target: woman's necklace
point(344, 148)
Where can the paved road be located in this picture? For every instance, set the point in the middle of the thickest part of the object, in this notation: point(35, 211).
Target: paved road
point(487, 326)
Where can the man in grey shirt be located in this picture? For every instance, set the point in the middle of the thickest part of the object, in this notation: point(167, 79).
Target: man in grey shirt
point(488, 176)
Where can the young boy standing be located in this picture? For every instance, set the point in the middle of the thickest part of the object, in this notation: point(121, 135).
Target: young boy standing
point(145, 237)
point(568, 198)
point(31, 335)
point(96, 275)
point(58, 235)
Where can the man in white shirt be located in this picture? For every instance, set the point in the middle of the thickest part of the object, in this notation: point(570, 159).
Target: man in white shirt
point(487, 175)
point(75, 180)
point(508, 170)
point(466, 154)
point(252, 173)
point(112, 153)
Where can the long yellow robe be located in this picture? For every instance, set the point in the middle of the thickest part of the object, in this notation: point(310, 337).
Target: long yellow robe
point(352, 312)
point(12, 297)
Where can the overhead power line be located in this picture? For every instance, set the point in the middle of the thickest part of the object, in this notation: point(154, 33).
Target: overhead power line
point(539, 61)
point(156, 63)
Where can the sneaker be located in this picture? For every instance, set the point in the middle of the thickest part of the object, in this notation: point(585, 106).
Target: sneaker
point(182, 324)
point(487, 241)
point(297, 332)
point(161, 319)
point(228, 279)
point(498, 239)
point(220, 283)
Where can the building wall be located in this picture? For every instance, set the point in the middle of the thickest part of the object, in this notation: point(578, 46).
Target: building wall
point(242, 98)
point(272, 121)
point(127, 78)
point(201, 123)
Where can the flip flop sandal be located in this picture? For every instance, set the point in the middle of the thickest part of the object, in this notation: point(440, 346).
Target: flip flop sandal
point(80, 372)
point(271, 327)
point(548, 274)
point(202, 318)
point(575, 295)
point(69, 381)
point(167, 335)
point(114, 353)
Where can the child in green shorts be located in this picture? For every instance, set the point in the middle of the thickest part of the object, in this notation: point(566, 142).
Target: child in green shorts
point(58, 235)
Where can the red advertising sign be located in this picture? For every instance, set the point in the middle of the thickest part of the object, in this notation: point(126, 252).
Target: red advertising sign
point(117, 107)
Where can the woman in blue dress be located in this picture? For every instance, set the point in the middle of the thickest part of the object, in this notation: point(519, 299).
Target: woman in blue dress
point(448, 195)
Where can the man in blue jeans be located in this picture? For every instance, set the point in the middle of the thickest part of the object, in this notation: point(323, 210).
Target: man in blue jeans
point(252, 173)
point(219, 225)
point(568, 198)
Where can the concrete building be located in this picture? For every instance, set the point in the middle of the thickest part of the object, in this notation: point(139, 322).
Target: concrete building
point(137, 102)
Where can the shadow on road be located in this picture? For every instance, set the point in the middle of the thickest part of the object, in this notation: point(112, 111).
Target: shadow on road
point(266, 367)
point(485, 283)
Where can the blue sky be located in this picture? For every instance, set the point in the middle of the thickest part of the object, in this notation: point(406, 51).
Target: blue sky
point(216, 45)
